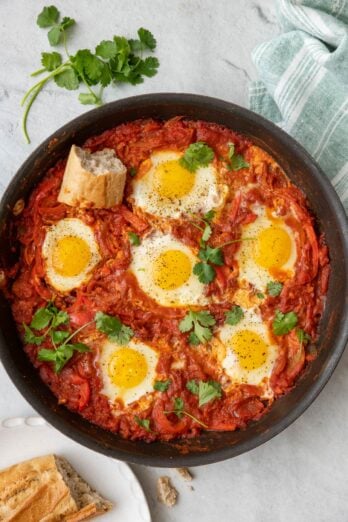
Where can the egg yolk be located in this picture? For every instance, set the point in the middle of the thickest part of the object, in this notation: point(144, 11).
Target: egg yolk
point(70, 256)
point(250, 349)
point(273, 247)
point(172, 180)
point(172, 269)
point(127, 368)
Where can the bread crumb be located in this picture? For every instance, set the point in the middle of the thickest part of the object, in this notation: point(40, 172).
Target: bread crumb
point(185, 473)
point(166, 493)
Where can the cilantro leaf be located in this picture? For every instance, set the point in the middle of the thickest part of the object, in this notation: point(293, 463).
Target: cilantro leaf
point(274, 288)
point(134, 238)
point(51, 60)
point(205, 273)
point(214, 255)
point(284, 323)
point(147, 67)
point(59, 336)
point(206, 232)
point(147, 38)
point(66, 23)
point(48, 16)
point(30, 337)
point(206, 391)
point(88, 98)
point(234, 316)
point(162, 386)
point(59, 357)
point(67, 79)
point(237, 161)
point(41, 319)
point(106, 49)
point(192, 386)
point(260, 295)
point(79, 347)
point(178, 406)
point(144, 423)
point(59, 318)
point(200, 322)
point(132, 171)
point(196, 155)
point(54, 35)
point(209, 216)
point(113, 328)
point(302, 336)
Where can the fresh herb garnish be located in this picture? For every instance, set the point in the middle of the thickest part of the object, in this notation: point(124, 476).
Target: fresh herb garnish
point(50, 317)
point(196, 155)
point(204, 269)
point(200, 323)
point(113, 328)
point(179, 411)
point(162, 386)
point(236, 161)
point(274, 288)
point(144, 423)
point(234, 316)
point(206, 391)
point(132, 171)
point(284, 323)
point(134, 238)
point(114, 61)
point(303, 336)
point(260, 295)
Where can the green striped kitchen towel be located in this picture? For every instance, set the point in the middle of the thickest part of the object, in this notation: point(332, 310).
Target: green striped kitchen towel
point(303, 84)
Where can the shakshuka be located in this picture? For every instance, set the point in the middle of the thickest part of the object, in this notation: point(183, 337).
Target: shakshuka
point(192, 305)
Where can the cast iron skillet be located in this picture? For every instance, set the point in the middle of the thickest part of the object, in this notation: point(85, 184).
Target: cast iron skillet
point(301, 169)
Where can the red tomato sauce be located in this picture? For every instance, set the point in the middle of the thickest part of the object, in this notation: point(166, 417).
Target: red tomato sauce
point(115, 291)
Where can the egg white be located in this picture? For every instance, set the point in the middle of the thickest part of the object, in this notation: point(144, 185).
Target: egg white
point(205, 194)
point(249, 270)
point(127, 395)
point(65, 228)
point(144, 260)
point(229, 358)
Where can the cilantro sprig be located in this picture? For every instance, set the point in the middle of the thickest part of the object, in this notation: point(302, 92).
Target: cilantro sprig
point(162, 386)
point(143, 423)
point(200, 323)
point(134, 239)
point(284, 323)
point(179, 411)
point(206, 391)
point(119, 60)
point(50, 318)
point(113, 328)
point(236, 161)
point(303, 336)
point(234, 316)
point(197, 155)
point(274, 288)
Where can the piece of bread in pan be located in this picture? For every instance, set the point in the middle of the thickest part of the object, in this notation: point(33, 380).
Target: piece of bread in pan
point(93, 180)
point(47, 489)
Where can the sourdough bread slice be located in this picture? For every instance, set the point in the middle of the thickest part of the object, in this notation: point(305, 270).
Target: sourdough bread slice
point(47, 489)
point(94, 180)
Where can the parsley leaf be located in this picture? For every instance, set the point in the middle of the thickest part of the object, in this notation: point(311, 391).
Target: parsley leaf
point(162, 386)
point(274, 288)
point(196, 155)
point(302, 336)
point(236, 161)
point(51, 60)
point(206, 391)
point(134, 238)
point(144, 423)
point(200, 323)
point(234, 316)
point(67, 79)
point(205, 273)
point(113, 328)
point(30, 337)
point(284, 323)
point(48, 16)
point(147, 38)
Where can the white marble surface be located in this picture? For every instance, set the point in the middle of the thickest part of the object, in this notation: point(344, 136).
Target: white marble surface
point(204, 47)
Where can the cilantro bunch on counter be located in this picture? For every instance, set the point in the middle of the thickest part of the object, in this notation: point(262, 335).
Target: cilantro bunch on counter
point(119, 60)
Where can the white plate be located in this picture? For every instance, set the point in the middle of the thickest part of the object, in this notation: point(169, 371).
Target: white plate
point(25, 438)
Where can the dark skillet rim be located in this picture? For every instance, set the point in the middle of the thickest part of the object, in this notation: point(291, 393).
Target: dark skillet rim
point(197, 458)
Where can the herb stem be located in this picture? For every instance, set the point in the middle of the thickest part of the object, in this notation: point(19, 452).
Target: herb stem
point(43, 81)
point(197, 226)
point(237, 241)
point(39, 71)
point(26, 112)
point(76, 332)
point(188, 415)
point(97, 99)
